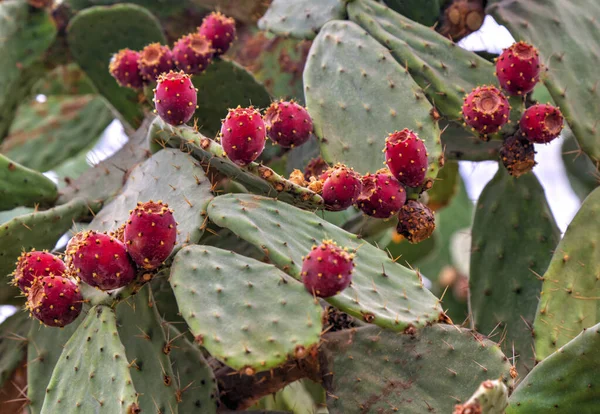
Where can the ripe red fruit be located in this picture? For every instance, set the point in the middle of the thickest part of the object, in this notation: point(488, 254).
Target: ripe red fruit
point(416, 221)
point(406, 157)
point(518, 68)
point(124, 67)
point(541, 123)
point(193, 53)
point(155, 59)
point(486, 110)
point(327, 269)
point(101, 261)
point(341, 187)
point(32, 265)
point(219, 30)
point(150, 234)
point(243, 135)
point(175, 98)
point(54, 300)
point(382, 195)
point(288, 124)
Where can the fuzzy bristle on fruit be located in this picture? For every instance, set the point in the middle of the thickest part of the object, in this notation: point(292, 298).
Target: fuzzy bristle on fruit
point(327, 269)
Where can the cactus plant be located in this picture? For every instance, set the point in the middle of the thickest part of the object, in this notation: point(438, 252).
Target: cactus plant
point(292, 221)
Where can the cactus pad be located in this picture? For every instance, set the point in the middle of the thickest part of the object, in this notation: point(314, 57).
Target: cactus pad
point(21, 186)
point(13, 343)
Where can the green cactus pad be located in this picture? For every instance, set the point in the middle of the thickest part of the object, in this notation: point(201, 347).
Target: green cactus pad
point(513, 237)
point(13, 343)
point(425, 12)
point(171, 176)
point(382, 292)
point(142, 334)
point(556, 28)
point(491, 397)
point(92, 373)
point(581, 171)
point(158, 7)
point(301, 19)
point(349, 76)
point(429, 371)
point(246, 313)
point(25, 34)
point(95, 34)
point(570, 294)
point(44, 134)
point(21, 186)
point(566, 382)
point(459, 144)
point(197, 384)
point(45, 344)
point(64, 80)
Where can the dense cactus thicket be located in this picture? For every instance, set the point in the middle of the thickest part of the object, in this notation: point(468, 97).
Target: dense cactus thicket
point(286, 228)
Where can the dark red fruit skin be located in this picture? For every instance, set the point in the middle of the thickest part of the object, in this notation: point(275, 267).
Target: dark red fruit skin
point(406, 157)
point(150, 234)
point(382, 195)
point(34, 264)
point(416, 221)
point(101, 261)
point(193, 53)
point(341, 187)
point(219, 30)
point(155, 59)
point(541, 123)
point(288, 124)
point(175, 98)
point(124, 67)
point(485, 110)
point(518, 68)
point(315, 168)
point(327, 269)
point(243, 135)
point(54, 300)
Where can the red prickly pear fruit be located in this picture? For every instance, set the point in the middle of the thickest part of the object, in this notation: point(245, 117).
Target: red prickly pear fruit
point(541, 123)
point(193, 53)
point(101, 261)
point(486, 110)
point(33, 265)
point(288, 124)
point(175, 97)
point(382, 195)
point(341, 187)
point(243, 135)
point(327, 269)
point(124, 67)
point(150, 234)
point(54, 300)
point(406, 157)
point(219, 30)
point(517, 155)
point(518, 68)
point(416, 222)
point(155, 59)
point(315, 168)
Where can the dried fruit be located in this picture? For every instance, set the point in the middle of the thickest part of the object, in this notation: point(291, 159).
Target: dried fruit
point(327, 269)
point(517, 155)
point(54, 300)
point(341, 187)
point(518, 68)
point(34, 264)
point(406, 157)
point(315, 168)
point(124, 67)
point(382, 195)
point(288, 124)
point(150, 234)
point(485, 110)
point(193, 53)
point(416, 221)
point(175, 98)
point(541, 123)
point(155, 59)
point(243, 135)
point(219, 30)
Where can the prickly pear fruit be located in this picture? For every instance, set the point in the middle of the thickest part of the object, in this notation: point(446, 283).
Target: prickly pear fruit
point(219, 30)
point(517, 155)
point(416, 221)
point(101, 261)
point(327, 269)
point(541, 123)
point(243, 135)
point(288, 124)
point(34, 264)
point(406, 157)
point(124, 67)
point(193, 53)
point(155, 59)
point(485, 110)
point(518, 68)
point(315, 168)
point(341, 187)
point(150, 234)
point(54, 300)
point(382, 195)
point(175, 97)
